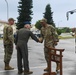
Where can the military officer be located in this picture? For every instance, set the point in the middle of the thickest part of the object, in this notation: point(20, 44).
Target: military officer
point(8, 40)
point(22, 38)
point(50, 40)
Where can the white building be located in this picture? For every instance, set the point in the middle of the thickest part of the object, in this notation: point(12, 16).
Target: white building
point(35, 31)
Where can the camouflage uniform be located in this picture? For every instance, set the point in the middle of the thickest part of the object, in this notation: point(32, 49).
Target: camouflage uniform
point(8, 43)
point(50, 37)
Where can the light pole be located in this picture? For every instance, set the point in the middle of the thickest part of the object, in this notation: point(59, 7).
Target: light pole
point(71, 12)
point(7, 9)
point(59, 23)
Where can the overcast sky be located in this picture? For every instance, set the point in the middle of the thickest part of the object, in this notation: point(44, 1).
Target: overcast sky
point(59, 9)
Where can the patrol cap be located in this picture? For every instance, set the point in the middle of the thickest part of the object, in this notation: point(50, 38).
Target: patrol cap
point(43, 20)
point(11, 19)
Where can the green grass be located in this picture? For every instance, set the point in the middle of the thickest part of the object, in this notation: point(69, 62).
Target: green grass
point(68, 37)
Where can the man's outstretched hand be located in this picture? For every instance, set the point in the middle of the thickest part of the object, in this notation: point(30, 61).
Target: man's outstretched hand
point(40, 40)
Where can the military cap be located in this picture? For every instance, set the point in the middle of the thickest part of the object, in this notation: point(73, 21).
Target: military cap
point(43, 20)
point(27, 22)
point(11, 19)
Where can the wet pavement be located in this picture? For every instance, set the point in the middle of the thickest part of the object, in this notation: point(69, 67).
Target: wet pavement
point(36, 58)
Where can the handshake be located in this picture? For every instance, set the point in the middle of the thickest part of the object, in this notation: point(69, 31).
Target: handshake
point(40, 39)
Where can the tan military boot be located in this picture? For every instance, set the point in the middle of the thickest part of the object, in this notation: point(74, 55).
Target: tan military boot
point(58, 67)
point(7, 67)
point(46, 69)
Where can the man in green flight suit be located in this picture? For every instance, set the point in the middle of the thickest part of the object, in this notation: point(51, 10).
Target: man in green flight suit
point(8, 40)
point(22, 39)
point(50, 37)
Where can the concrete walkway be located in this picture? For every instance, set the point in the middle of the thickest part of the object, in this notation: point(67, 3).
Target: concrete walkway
point(37, 61)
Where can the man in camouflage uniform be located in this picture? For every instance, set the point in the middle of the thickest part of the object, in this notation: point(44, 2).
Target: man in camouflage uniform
point(50, 37)
point(8, 40)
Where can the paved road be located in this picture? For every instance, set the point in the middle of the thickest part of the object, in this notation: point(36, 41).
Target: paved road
point(37, 61)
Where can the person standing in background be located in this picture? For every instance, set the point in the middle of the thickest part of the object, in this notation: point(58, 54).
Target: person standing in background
point(8, 40)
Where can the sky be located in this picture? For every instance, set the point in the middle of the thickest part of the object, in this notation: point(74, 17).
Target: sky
point(58, 7)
